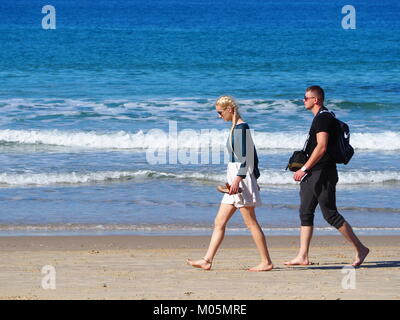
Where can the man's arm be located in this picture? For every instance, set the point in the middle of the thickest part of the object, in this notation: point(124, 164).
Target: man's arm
point(317, 154)
point(319, 151)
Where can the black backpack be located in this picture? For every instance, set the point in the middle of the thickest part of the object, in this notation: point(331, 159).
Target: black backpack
point(341, 151)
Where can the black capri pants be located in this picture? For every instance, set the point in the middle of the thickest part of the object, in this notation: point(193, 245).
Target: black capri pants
point(319, 187)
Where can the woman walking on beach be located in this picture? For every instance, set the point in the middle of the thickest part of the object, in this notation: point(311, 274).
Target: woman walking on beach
point(242, 175)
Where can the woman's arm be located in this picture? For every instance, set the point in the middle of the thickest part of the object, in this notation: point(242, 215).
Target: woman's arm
point(244, 152)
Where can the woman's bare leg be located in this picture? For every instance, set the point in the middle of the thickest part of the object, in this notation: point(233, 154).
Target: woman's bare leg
point(250, 219)
point(225, 212)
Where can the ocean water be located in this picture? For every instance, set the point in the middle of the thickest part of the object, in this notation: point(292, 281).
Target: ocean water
point(89, 111)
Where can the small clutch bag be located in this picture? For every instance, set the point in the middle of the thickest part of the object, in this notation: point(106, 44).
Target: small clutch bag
point(226, 188)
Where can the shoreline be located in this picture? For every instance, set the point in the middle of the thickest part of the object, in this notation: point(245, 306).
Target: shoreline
point(122, 242)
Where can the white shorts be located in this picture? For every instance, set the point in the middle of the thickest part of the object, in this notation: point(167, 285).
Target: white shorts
point(250, 195)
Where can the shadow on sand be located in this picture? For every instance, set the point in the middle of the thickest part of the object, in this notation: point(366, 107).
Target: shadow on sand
point(329, 266)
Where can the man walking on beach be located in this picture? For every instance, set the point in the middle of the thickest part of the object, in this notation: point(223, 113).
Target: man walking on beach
point(318, 179)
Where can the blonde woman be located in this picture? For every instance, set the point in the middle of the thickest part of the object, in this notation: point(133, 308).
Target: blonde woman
point(242, 175)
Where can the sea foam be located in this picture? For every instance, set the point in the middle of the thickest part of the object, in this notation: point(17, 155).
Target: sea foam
point(268, 177)
point(157, 138)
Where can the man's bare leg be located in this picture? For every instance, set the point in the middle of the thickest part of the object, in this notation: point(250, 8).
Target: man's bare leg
point(306, 233)
point(362, 251)
point(225, 212)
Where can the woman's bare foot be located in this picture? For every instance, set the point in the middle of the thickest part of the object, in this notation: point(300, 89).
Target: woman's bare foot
point(202, 263)
point(360, 257)
point(262, 267)
point(298, 261)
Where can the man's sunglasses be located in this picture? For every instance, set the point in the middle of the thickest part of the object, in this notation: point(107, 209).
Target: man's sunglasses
point(306, 98)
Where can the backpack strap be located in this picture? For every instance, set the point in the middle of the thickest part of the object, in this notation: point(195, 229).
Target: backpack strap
point(331, 112)
point(306, 143)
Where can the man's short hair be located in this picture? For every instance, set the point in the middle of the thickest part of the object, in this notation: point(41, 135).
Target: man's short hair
point(318, 90)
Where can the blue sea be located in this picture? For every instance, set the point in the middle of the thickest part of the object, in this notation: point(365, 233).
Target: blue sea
point(83, 107)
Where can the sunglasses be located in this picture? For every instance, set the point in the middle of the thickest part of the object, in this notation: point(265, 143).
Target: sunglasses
point(306, 98)
point(220, 112)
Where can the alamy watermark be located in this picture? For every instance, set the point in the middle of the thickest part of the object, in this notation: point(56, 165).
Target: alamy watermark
point(349, 280)
point(49, 20)
point(49, 280)
point(349, 20)
point(202, 146)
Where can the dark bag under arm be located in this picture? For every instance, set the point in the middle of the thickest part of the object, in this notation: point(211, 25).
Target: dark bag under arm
point(298, 158)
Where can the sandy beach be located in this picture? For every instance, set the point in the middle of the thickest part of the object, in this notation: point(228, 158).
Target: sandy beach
point(153, 267)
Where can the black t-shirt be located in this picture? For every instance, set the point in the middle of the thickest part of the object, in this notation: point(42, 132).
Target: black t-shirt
point(323, 122)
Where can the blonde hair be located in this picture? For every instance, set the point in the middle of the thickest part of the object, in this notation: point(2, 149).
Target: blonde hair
point(225, 102)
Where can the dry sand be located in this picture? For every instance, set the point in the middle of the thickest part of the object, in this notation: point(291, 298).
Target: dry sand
point(153, 267)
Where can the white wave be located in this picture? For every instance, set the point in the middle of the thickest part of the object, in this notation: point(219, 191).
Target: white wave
point(186, 138)
point(268, 177)
point(22, 179)
point(119, 140)
point(369, 177)
point(345, 178)
point(26, 179)
point(386, 141)
point(152, 139)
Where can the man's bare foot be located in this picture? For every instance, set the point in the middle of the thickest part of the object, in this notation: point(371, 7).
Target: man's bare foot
point(298, 261)
point(202, 263)
point(262, 267)
point(360, 257)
